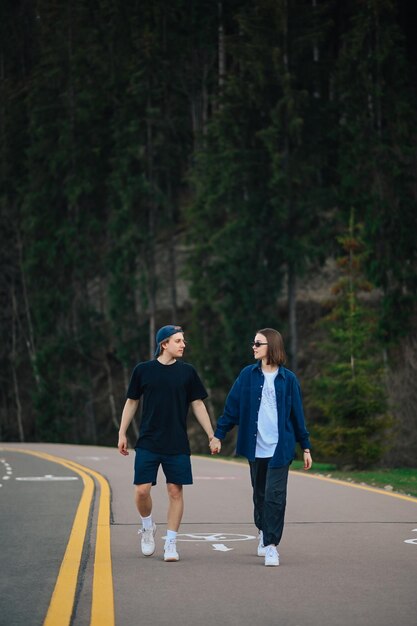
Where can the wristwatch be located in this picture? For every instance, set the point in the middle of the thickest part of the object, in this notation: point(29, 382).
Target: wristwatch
point(307, 450)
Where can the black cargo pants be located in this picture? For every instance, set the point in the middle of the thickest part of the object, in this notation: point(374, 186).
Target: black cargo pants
point(269, 498)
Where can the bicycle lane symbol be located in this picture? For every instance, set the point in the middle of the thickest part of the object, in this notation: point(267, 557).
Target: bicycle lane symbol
point(414, 541)
point(216, 539)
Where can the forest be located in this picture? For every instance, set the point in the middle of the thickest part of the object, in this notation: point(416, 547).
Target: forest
point(223, 165)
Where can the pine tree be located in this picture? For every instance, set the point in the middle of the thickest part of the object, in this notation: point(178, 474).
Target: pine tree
point(259, 193)
point(376, 147)
point(62, 213)
point(349, 390)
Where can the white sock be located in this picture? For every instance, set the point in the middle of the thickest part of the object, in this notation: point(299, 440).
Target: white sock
point(171, 535)
point(147, 522)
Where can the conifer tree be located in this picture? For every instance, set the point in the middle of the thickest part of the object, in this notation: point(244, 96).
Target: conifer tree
point(349, 390)
point(62, 213)
point(258, 181)
point(376, 147)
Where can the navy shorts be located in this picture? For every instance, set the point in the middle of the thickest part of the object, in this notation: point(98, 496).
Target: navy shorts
point(176, 467)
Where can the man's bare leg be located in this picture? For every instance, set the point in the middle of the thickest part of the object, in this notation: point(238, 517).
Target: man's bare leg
point(143, 499)
point(176, 506)
point(144, 505)
point(175, 512)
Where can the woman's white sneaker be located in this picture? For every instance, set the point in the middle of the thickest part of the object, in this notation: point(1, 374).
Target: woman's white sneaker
point(170, 551)
point(261, 547)
point(271, 556)
point(147, 540)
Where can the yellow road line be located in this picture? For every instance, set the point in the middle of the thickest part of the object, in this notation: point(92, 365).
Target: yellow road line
point(102, 606)
point(62, 601)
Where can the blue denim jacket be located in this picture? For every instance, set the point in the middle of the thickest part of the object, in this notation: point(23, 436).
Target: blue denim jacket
point(242, 407)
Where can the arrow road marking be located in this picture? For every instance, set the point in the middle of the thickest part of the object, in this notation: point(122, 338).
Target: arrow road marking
point(214, 537)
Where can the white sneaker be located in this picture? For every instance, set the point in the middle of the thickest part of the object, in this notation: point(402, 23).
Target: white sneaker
point(271, 556)
point(170, 552)
point(147, 541)
point(261, 547)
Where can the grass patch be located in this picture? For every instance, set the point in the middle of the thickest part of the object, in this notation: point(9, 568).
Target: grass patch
point(401, 480)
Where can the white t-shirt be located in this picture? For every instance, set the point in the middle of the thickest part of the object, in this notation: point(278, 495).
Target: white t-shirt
point(267, 436)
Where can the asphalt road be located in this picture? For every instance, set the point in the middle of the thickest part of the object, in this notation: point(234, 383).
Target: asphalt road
point(348, 554)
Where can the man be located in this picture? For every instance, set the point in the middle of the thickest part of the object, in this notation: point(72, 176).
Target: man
point(168, 387)
point(265, 402)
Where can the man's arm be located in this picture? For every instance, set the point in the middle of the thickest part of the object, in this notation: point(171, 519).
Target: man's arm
point(129, 411)
point(203, 418)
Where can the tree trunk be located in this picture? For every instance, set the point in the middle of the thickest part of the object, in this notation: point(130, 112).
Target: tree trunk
point(292, 316)
point(292, 276)
point(13, 360)
point(221, 49)
point(30, 339)
point(110, 393)
point(352, 303)
point(172, 256)
point(316, 59)
point(151, 270)
point(133, 424)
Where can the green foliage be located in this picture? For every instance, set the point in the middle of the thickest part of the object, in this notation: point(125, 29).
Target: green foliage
point(247, 129)
point(376, 166)
point(349, 391)
point(257, 182)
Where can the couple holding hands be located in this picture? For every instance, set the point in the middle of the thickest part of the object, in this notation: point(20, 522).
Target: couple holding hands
point(264, 403)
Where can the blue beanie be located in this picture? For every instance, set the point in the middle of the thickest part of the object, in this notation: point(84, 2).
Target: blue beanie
point(164, 333)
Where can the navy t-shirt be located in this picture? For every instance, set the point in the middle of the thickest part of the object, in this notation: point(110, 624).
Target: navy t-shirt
point(167, 391)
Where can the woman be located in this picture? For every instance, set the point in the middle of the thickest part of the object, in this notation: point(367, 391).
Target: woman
point(265, 403)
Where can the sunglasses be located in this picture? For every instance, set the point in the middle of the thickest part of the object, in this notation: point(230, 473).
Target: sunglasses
point(259, 343)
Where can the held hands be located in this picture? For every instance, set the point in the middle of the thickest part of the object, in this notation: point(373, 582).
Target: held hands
point(215, 445)
point(122, 445)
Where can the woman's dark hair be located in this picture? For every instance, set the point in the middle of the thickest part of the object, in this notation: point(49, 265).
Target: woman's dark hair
point(276, 350)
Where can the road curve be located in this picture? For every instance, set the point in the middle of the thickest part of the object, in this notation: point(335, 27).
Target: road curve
point(348, 554)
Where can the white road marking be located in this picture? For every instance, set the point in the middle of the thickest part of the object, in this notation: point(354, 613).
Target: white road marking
point(413, 541)
point(213, 537)
point(46, 478)
point(7, 469)
point(216, 478)
point(93, 458)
